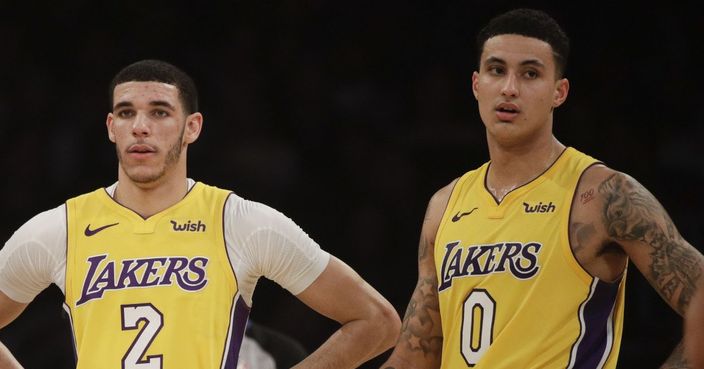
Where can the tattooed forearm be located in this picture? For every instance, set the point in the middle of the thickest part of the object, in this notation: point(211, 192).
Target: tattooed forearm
point(631, 213)
point(421, 324)
point(420, 341)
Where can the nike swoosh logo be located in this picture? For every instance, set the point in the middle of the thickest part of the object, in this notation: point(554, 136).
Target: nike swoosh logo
point(459, 216)
point(89, 232)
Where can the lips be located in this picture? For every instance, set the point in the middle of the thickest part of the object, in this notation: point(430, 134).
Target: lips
point(507, 112)
point(141, 149)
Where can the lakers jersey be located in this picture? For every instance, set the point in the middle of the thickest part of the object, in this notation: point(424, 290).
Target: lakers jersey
point(512, 295)
point(155, 293)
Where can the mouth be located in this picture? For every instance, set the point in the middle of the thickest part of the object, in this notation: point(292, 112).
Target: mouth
point(141, 150)
point(507, 112)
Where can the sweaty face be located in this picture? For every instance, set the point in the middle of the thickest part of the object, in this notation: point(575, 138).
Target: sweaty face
point(147, 126)
point(517, 89)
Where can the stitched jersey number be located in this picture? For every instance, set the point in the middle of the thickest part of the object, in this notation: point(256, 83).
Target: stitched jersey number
point(153, 321)
point(477, 325)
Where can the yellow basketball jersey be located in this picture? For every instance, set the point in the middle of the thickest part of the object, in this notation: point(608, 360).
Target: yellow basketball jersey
point(512, 295)
point(155, 293)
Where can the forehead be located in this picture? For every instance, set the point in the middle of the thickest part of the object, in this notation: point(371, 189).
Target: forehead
point(136, 92)
point(518, 49)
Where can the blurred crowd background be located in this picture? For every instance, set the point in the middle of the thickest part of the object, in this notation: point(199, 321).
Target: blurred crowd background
point(346, 116)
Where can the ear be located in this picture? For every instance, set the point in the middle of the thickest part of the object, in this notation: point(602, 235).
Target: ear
point(475, 84)
point(194, 124)
point(109, 121)
point(562, 89)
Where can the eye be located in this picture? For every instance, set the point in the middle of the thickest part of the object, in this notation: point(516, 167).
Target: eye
point(125, 113)
point(496, 70)
point(160, 113)
point(531, 74)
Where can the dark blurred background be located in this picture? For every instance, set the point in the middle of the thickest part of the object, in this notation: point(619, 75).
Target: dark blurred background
point(347, 116)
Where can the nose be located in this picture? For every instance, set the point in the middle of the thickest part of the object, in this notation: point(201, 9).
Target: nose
point(510, 87)
point(140, 126)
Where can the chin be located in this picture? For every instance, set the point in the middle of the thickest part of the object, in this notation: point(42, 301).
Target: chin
point(504, 131)
point(144, 176)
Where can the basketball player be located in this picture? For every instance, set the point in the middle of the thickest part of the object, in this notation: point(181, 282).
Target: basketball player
point(522, 261)
point(158, 270)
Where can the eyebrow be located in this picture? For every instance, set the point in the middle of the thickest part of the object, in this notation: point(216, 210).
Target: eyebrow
point(128, 104)
point(531, 62)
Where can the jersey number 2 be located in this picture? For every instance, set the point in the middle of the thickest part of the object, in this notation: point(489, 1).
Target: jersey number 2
point(153, 320)
point(477, 325)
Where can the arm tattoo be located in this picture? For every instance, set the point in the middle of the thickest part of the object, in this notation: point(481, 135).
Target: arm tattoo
point(632, 213)
point(422, 317)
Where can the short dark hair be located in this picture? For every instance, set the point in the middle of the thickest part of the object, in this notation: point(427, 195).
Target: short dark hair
point(530, 23)
point(152, 70)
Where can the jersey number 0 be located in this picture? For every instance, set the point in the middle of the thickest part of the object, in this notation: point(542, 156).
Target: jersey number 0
point(478, 315)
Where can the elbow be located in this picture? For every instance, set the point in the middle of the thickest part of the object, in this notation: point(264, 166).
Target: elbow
point(389, 325)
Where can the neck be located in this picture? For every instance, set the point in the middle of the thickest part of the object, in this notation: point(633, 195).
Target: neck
point(514, 166)
point(147, 199)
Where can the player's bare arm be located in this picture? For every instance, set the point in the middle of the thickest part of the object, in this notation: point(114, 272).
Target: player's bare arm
point(620, 217)
point(370, 324)
point(420, 343)
point(641, 226)
point(9, 310)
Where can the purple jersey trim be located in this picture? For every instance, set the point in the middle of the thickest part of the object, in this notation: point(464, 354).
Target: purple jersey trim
point(595, 341)
point(240, 314)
